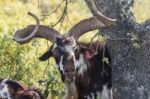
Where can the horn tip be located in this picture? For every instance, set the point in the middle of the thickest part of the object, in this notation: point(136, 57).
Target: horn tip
point(18, 41)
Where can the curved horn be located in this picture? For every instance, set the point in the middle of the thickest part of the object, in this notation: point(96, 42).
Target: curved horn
point(95, 22)
point(92, 6)
point(84, 26)
point(25, 35)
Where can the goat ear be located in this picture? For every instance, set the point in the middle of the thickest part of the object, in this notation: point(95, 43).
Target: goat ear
point(88, 53)
point(46, 55)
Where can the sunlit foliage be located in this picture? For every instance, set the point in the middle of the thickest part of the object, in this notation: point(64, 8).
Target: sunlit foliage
point(141, 10)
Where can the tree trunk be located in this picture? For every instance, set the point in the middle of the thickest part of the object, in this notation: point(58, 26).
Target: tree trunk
point(130, 50)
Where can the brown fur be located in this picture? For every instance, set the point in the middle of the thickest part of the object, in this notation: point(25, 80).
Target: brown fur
point(70, 86)
point(28, 94)
point(91, 80)
point(71, 90)
point(19, 91)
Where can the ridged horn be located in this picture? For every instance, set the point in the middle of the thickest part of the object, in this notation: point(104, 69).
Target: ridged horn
point(97, 21)
point(25, 35)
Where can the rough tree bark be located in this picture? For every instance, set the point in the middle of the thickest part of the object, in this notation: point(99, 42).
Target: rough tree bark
point(130, 50)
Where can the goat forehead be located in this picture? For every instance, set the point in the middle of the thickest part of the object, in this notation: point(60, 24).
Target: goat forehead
point(65, 48)
point(69, 41)
point(62, 60)
point(66, 52)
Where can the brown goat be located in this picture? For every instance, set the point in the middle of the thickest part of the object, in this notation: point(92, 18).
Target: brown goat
point(10, 89)
point(82, 70)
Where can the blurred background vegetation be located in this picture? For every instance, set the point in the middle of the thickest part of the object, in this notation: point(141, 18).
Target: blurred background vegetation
point(21, 62)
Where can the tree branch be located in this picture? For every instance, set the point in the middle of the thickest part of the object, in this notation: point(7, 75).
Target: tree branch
point(63, 14)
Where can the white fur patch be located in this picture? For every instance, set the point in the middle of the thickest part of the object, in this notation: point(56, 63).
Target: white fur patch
point(54, 46)
point(110, 93)
point(88, 97)
point(61, 65)
point(98, 95)
point(71, 48)
point(106, 93)
point(80, 64)
point(92, 94)
point(4, 93)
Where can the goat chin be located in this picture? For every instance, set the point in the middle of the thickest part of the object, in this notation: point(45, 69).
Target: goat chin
point(71, 90)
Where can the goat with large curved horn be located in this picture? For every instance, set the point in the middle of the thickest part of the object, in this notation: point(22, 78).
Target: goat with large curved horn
point(26, 34)
point(74, 59)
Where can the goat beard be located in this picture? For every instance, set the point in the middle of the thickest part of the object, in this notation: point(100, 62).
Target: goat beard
point(71, 90)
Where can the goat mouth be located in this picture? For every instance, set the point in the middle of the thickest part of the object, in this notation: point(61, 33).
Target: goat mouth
point(69, 78)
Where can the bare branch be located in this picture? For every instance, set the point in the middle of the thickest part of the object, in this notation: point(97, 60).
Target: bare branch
point(63, 14)
point(54, 9)
point(38, 1)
